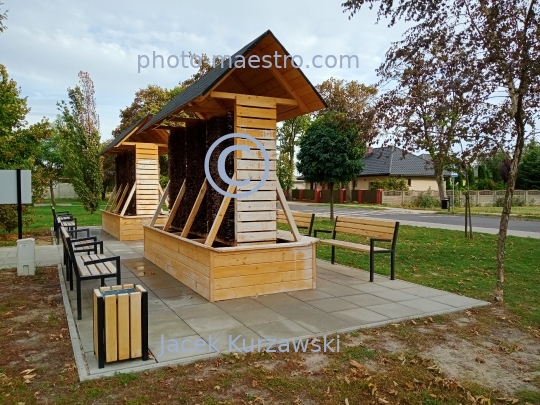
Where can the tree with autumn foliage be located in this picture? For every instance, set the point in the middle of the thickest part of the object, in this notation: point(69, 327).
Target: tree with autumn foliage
point(288, 135)
point(79, 131)
point(499, 40)
point(352, 99)
point(430, 108)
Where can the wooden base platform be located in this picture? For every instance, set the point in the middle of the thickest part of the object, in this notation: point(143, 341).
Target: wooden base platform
point(220, 273)
point(127, 227)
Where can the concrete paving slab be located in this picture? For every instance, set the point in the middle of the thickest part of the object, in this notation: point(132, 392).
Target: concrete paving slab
point(395, 284)
point(257, 316)
point(239, 304)
point(274, 300)
point(206, 324)
point(395, 310)
point(170, 348)
point(332, 304)
point(394, 295)
point(424, 292)
point(199, 311)
point(365, 300)
point(310, 318)
point(234, 339)
point(456, 301)
point(427, 305)
point(308, 295)
point(360, 316)
point(284, 329)
point(174, 292)
point(369, 287)
point(335, 289)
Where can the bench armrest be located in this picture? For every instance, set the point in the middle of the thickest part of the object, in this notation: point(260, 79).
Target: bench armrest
point(94, 244)
point(77, 230)
point(320, 230)
point(104, 260)
point(89, 238)
point(60, 213)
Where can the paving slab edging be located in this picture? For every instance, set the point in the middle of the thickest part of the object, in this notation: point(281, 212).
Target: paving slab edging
point(75, 342)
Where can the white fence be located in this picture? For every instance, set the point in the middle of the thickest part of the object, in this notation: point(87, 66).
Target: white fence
point(478, 197)
point(61, 190)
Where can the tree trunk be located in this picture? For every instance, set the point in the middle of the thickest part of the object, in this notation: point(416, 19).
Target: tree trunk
point(507, 206)
point(51, 191)
point(331, 187)
point(441, 183)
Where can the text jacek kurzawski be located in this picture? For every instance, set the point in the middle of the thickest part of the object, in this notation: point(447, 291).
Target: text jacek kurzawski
point(239, 344)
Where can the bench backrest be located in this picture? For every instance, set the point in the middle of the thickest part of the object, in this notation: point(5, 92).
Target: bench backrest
point(302, 219)
point(66, 239)
point(371, 228)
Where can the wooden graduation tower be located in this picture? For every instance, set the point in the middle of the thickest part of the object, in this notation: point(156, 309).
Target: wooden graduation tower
point(225, 247)
point(137, 192)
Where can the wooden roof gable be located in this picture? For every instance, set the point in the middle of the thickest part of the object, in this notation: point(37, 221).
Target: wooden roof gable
point(133, 135)
point(208, 95)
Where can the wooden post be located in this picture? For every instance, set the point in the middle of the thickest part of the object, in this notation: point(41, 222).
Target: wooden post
point(129, 199)
point(194, 210)
point(175, 206)
point(288, 213)
point(220, 215)
point(161, 201)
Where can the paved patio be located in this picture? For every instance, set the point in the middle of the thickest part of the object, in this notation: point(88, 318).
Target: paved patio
point(344, 301)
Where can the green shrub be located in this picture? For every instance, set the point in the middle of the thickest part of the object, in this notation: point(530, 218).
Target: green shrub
point(516, 202)
point(390, 184)
point(425, 200)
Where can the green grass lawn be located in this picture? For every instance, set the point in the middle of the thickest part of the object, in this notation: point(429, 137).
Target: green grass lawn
point(445, 260)
point(43, 220)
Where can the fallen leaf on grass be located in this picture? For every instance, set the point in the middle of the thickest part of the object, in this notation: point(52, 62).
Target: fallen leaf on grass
point(527, 379)
point(382, 400)
point(479, 360)
point(409, 385)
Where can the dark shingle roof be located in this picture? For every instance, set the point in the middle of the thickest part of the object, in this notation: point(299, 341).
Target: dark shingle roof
point(390, 161)
point(210, 79)
point(125, 133)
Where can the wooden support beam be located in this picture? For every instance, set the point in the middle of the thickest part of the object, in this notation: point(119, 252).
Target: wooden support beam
point(232, 96)
point(115, 201)
point(194, 210)
point(121, 199)
point(174, 208)
point(161, 201)
point(206, 110)
point(288, 213)
point(182, 119)
point(130, 196)
point(279, 77)
point(220, 215)
point(110, 198)
point(161, 145)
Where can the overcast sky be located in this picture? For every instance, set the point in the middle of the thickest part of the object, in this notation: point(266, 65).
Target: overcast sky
point(49, 41)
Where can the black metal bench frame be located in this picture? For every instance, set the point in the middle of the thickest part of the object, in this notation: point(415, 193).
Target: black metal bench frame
point(79, 277)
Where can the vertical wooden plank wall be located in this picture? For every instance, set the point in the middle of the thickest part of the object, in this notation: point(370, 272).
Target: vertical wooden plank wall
point(255, 215)
point(147, 177)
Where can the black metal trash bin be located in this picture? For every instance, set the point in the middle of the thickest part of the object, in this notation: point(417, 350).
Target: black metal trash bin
point(445, 203)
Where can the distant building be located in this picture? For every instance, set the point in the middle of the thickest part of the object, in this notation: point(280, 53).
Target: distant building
point(391, 161)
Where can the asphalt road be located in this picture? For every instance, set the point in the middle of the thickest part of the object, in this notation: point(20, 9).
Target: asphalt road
point(419, 217)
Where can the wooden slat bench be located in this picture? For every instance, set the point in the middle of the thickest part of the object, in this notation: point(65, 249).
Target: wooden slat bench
point(88, 244)
point(303, 220)
point(62, 217)
point(377, 231)
point(89, 267)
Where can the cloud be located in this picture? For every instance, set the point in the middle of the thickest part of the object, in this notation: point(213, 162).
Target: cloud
point(48, 42)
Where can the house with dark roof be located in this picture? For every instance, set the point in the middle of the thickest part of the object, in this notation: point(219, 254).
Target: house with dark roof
point(391, 161)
